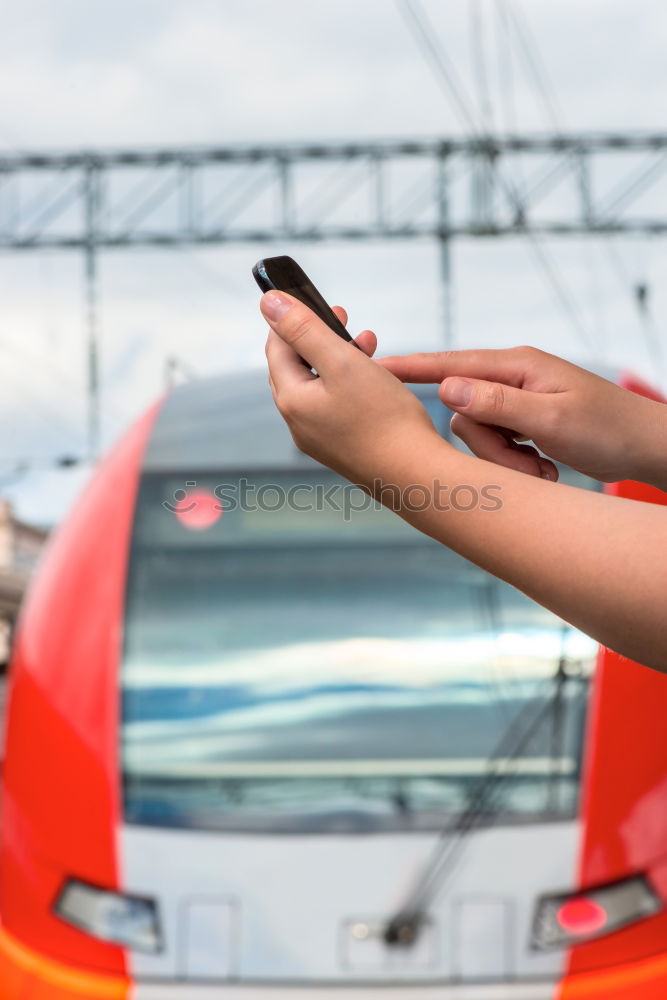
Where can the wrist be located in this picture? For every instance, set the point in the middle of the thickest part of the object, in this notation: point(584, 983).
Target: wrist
point(411, 457)
point(650, 465)
point(418, 475)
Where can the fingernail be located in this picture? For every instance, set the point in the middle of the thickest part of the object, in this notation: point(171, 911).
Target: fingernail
point(457, 392)
point(274, 305)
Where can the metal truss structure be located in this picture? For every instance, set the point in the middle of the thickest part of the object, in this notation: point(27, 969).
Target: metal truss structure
point(211, 195)
point(492, 186)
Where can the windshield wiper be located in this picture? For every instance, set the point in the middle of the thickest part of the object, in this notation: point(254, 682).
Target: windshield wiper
point(404, 927)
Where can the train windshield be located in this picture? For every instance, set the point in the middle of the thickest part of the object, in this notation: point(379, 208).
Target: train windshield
point(298, 659)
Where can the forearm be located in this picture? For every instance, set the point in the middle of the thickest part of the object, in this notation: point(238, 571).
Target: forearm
point(596, 561)
point(649, 464)
point(593, 560)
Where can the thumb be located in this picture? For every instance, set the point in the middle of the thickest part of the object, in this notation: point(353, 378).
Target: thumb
point(302, 329)
point(495, 403)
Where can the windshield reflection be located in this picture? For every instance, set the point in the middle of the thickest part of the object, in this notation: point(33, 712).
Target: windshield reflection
point(333, 685)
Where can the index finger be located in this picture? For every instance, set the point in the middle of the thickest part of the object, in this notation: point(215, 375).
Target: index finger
point(492, 365)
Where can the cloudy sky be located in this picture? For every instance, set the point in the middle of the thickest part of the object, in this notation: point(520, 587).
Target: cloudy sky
point(78, 74)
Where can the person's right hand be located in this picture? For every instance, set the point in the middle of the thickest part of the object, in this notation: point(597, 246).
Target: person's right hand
point(571, 415)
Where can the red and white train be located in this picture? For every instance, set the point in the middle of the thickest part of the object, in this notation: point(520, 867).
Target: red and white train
point(266, 742)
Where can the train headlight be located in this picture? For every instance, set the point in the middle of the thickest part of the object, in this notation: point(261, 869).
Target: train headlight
point(112, 916)
point(568, 919)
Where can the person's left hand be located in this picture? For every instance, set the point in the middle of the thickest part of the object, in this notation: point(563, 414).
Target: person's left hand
point(353, 416)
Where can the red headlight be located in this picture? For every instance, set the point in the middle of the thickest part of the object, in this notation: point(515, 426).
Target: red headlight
point(581, 916)
point(566, 919)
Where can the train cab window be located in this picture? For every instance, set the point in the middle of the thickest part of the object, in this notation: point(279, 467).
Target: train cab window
point(296, 665)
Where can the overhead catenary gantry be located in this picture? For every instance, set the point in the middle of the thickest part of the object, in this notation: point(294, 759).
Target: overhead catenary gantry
point(550, 185)
point(215, 189)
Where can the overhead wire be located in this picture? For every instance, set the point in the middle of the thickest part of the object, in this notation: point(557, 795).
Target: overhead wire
point(505, 62)
point(434, 53)
point(534, 62)
point(514, 13)
point(423, 33)
point(479, 63)
point(507, 110)
point(517, 27)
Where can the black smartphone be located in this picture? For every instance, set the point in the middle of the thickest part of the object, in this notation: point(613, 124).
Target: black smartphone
point(282, 274)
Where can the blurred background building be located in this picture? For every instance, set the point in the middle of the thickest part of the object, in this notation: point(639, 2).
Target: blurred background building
point(20, 548)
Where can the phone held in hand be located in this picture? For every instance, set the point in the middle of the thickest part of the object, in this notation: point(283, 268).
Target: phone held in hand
point(282, 274)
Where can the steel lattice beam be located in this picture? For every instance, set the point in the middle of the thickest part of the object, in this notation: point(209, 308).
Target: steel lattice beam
point(448, 188)
point(479, 187)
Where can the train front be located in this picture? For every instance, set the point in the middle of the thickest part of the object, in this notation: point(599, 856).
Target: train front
point(267, 738)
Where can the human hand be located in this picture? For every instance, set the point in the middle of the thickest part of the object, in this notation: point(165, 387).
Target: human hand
point(501, 397)
point(353, 416)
